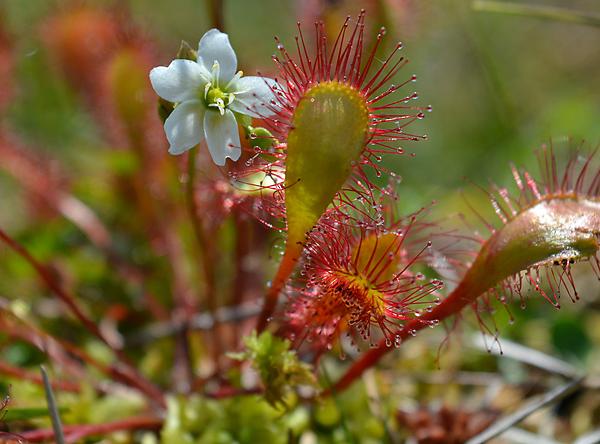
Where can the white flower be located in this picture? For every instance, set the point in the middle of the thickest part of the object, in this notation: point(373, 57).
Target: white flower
point(206, 93)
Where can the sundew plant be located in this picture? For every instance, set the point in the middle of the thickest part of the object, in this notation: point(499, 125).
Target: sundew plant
point(210, 236)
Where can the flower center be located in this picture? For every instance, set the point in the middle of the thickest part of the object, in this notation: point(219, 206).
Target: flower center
point(215, 98)
point(360, 297)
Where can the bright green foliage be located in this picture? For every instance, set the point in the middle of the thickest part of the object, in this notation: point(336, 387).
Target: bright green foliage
point(346, 418)
point(87, 407)
point(240, 420)
point(277, 365)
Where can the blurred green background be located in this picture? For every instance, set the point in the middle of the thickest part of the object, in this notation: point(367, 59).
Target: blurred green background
point(499, 85)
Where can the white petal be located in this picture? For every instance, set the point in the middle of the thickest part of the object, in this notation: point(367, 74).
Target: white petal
point(184, 126)
point(222, 136)
point(255, 97)
point(181, 80)
point(214, 47)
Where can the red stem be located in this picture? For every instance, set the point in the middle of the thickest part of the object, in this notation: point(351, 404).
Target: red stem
point(286, 267)
point(74, 433)
point(24, 375)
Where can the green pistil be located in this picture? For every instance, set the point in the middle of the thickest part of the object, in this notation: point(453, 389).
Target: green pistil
point(215, 98)
point(213, 94)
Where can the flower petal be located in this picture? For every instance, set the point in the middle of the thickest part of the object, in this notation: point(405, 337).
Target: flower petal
point(222, 136)
point(214, 47)
point(179, 81)
point(255, 96)
point(184, 126)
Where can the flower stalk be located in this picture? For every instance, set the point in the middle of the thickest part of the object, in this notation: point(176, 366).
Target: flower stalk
point(284, 271)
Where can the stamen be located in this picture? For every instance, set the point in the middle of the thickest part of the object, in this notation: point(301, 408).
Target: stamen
point(216, 71)
point(221, 106)
point(235, 78)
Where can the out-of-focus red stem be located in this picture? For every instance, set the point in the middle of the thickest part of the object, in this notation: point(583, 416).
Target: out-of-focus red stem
point(50, 282)
point(215, 8)
point(205, 244)
point(58, 351)
point(24, 375)
point(240, 285)
point(48, 279)
point(74, 433)
point(208, 254)
point(32, 173)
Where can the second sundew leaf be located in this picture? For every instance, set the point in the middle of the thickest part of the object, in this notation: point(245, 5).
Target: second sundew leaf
point(330, 127)
point(553, 231)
